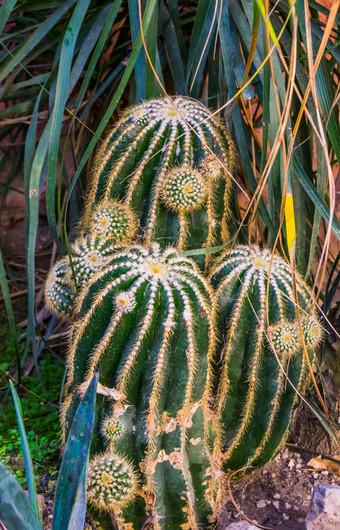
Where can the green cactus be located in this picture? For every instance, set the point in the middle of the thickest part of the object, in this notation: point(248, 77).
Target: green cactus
point(145, 322)
point(59, 290)
point(89, 254)
point(152, 146)
point(112, 220)
point(262, 362)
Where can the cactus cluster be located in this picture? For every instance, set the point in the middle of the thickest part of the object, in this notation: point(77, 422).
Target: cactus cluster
point(200, 363)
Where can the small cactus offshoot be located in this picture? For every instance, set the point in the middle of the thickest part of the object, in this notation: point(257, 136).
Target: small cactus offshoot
point(140, 155)
point(111, 482)
point(262, 363)
point(113, 220)
point(59, 290)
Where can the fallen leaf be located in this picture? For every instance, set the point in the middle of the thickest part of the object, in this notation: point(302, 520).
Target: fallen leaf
point(323, 464)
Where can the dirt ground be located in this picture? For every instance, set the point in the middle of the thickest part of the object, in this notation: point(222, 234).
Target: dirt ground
point(275, 497)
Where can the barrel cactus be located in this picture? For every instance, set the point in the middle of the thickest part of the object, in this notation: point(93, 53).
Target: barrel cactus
point(170, 163)
point(262, 365)
point(145, 323)
point(60, 293)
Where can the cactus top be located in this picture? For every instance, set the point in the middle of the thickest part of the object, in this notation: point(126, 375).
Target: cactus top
point(150, 142)
point(251, 266)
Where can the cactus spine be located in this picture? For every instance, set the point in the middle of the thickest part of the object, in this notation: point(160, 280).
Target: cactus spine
point(145, 322)
point(138, 161)
point(262, 356)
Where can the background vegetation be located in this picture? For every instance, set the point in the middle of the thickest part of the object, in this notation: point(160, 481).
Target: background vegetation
point(68, 68)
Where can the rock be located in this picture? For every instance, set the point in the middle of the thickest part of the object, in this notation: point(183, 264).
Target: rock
point(261, 504)
point(241, 525)
point(324, 509)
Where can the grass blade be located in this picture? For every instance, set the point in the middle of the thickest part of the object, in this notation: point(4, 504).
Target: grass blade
point(312, 193)
point(140, 66)
point(62, 87)
point(30, 479)
point(5, 11)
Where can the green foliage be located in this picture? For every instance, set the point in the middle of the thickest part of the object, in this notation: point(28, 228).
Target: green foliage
point(19, 511)
point(39, 401)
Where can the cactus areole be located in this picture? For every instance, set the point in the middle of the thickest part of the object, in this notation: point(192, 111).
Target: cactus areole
point(145, 322)
point(170, 162)
point(262, 363)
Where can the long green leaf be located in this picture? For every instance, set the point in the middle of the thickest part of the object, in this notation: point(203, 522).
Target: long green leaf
point(146, 21)
point(63, 79)
point(224, 34)
point(16, 511)
point(5, 11)
point(33, 40)
point(32, 213)
point(30, 479)
point(312, 193)
point(140, 64)
point(69, 497)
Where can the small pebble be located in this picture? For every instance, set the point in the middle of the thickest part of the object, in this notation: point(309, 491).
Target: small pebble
point(299, 460)
point(295, 507)
point(288, 506)
point(301, 520)
point(298, 466)
point(276, 504)
point(324, 472)
point(277, 496)
point(273, 475)
point(291, 464)
point(261, 504)
point(285, 517)
point(316, 475)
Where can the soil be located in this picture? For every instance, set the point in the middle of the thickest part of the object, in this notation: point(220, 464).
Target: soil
point(278, 496)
